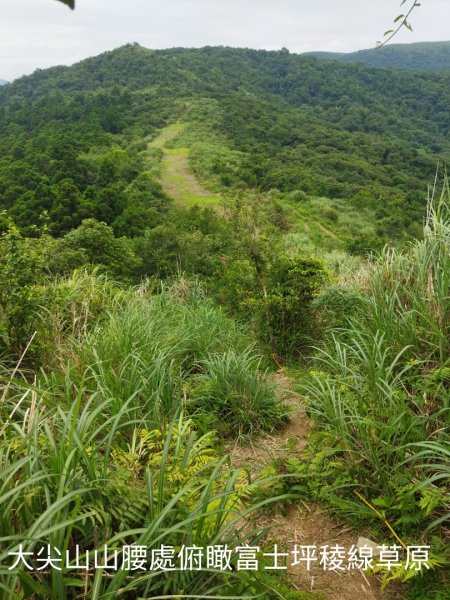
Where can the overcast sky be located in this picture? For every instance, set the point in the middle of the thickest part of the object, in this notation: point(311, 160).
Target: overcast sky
point(41, 33)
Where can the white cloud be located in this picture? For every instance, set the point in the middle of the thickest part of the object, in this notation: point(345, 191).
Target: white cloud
point(41, 33)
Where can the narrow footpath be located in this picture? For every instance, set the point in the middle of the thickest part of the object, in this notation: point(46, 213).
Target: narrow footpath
point(307, 523)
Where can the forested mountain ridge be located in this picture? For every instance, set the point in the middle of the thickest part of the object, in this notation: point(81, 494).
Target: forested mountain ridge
point(72, 137)
point(203, 249)
point(426, 56)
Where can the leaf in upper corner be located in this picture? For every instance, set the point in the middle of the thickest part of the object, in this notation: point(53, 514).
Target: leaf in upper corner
point(398, 18)
point(70, 3)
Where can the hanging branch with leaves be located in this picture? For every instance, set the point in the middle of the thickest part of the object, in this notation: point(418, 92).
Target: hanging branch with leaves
point(400, 22)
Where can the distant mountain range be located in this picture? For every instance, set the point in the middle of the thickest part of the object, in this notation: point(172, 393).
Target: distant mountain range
point(424, 56)
point(3, 81)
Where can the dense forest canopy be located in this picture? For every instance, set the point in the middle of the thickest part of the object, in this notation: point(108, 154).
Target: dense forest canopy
point(424, 56)
point(263, 120)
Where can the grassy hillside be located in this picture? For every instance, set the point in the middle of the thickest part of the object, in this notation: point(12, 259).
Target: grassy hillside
point(200, 249)
point(423, 56)
point(260, 120)
point(111, 395)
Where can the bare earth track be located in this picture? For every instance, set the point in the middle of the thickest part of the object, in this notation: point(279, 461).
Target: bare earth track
point(307, 524)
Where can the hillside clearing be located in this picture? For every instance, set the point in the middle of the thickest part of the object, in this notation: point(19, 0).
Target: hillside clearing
point(177, 179)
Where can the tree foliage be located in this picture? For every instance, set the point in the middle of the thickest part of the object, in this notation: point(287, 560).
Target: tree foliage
point(74, 140)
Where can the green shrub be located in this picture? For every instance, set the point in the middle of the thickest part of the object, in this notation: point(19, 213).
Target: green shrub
point(337, 305)
point(234, 396)
point(297, 196)
point(365, 244)
point(21, 266)
point(331, 214)
point(287, 317)
point(93, 243)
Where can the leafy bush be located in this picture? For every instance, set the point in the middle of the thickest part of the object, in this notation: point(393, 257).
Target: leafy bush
point(337, 305)
point(331, 214)
point(93, 243)
point(287, 315)
point(297, 195)
point(21, 266)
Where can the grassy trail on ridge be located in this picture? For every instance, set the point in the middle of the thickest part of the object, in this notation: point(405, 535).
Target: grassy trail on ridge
point(305, 523)
point(177, 179)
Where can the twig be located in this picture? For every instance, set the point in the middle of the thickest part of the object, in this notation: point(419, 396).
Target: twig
point(16, 368)
point(380, 516)
point(403, 23)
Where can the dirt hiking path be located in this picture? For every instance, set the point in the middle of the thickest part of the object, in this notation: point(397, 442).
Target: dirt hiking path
point(307, 524)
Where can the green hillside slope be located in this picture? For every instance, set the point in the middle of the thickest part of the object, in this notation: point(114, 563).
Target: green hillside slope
point(426, 56)
point(74, 140)
point(224, 324)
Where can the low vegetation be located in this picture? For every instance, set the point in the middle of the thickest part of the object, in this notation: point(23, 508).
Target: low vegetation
point(99, 449)
point(379, 393)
